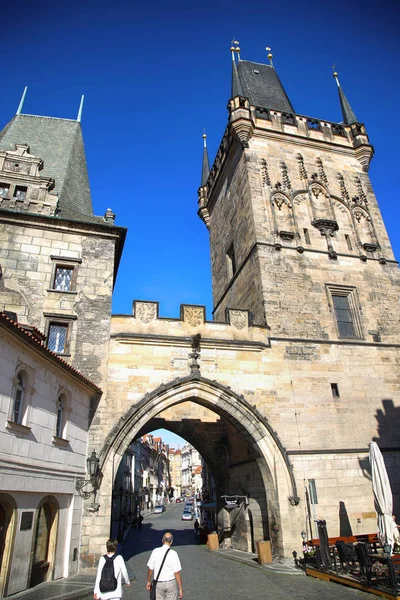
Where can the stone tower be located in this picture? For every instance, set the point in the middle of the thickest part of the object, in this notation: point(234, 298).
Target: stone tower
point(58, 260)
point(296, 233)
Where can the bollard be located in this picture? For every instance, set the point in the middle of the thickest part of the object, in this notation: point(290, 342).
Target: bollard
point(212, 541)
point(264, 554)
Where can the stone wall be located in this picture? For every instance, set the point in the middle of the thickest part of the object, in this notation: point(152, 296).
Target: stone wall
point(29, 253)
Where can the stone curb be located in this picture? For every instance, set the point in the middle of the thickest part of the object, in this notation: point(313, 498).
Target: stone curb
point(273, 568)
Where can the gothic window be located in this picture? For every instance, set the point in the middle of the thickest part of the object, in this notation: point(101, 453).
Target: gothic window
point(348, 241)
point(346, 310)
point(63, 278)
point(4, 190)
point(18, 399)
point(20, 192)
point(231, 261)
point(57, 337)
point(60, 423)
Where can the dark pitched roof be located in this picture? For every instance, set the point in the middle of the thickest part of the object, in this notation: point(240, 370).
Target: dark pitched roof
point(348, 115)
point(59, 143)
point(236, 86)
point(262, 86)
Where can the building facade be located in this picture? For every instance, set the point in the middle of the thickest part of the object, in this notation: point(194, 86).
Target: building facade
point(44, 409)
point(283, 390)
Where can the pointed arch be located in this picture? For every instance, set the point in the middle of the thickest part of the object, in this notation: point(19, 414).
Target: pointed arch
point(254, 427)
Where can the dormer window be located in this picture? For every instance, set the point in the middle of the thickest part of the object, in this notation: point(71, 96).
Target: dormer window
point(4, 190)
point(20, 192)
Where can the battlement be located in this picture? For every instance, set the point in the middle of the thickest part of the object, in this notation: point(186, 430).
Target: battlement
point(146, 326)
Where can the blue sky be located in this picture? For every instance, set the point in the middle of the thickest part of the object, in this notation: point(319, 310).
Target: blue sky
point(155, 74)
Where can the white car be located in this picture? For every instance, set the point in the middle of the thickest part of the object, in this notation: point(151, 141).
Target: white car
point(159, 509)
point(187, 516)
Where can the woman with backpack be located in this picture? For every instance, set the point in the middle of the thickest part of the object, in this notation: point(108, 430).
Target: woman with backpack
point(110, 573)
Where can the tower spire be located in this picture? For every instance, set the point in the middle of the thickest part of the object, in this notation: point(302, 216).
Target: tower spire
point(236, 88)
point(21, 104)
point(348, 115)
point(205, 171)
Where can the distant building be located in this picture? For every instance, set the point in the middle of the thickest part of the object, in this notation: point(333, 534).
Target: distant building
point(175, 462)
point(191, 462)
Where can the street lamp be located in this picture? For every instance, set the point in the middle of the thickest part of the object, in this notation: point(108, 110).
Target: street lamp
point(92, 467)
point(304, 536)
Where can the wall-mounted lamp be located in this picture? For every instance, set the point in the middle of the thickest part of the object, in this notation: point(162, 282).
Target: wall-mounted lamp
point(92, 467)
point(304, 535)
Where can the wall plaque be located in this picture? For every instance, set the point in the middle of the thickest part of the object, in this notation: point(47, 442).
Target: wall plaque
point(26, 520)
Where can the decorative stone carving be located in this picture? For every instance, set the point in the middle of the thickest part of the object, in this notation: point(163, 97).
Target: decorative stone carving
point(362, 197)
point(146, 311)
point(264, 173)
point(280, 200)
point(193, 315)
point(343, 190)
point(17, 167)
point(285, 176)
point(239, 318)
point(321, 171)
point(302, 170)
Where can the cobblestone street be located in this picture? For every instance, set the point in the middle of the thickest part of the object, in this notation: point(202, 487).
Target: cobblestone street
point(208, 575)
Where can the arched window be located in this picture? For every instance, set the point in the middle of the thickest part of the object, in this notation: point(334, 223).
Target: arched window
point(18, 405)
point(60, 416)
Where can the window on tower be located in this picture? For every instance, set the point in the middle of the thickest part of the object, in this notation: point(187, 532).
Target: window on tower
point(20, 192)
point(4, 190)
point(231, 261)
point(63, 278)
point(345, 306)
point(57, 337)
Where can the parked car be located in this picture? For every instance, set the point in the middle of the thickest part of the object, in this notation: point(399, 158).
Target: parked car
point(180, 499)
point(159, 509)
point(187, 515)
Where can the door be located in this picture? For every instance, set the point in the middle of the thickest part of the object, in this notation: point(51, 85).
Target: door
point(40, 564)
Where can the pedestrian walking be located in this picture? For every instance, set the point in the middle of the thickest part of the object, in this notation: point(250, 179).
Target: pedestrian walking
point(164, 568)
point(140, 521)
point(196, 527)
point(110, 573)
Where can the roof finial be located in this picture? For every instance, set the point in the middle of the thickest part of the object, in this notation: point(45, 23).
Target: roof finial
point(22, 101)
point(268, 49)
point(235, 48)
point(79, 117)
point(205, 168)
point(335, 75)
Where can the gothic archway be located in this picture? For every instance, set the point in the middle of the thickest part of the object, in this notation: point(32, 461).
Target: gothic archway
point(266, 453)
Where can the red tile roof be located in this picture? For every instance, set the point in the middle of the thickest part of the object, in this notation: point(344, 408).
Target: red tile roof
point(34, 339)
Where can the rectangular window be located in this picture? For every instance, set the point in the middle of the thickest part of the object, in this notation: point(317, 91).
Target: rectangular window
point(348, 241)
point(20, 192)
point(306, 236)
point(63, 278)
point(347, 311)
point(4, 190)
point(335, 390)
point(57, 337)
point(231, 261)
point(344, 317)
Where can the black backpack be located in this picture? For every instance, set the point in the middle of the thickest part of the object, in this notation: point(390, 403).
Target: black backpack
point(108, 581)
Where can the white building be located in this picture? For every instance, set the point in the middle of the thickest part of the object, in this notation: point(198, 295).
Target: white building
point(191, 459)
point(44, 419)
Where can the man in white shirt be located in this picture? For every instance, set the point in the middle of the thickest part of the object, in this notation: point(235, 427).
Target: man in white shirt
point(170, 575)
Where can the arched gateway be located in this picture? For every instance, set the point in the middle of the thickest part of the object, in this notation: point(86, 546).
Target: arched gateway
point(243, 452)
